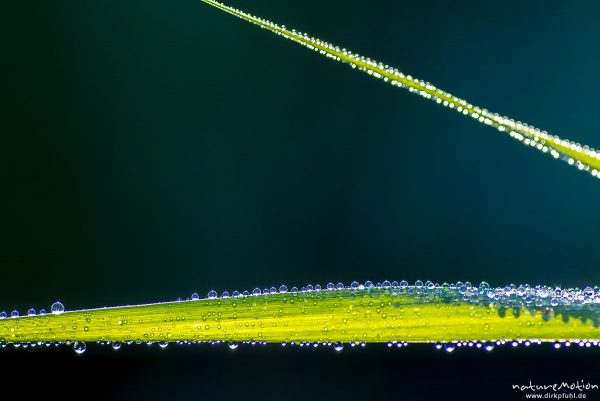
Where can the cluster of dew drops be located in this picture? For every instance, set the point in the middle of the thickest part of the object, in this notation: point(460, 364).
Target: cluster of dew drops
point(543, 297)
point(510, 296)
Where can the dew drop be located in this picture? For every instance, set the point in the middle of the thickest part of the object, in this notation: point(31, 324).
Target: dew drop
point(116, 345)
point(79, 347)
point(195, 296)
point(2, 315)
point(57, 308)
point(14, 313)
point(31, 312)
point(163, 344)
point(283, 289)
point(212, 294)
point(233, 346)
point(338, 347)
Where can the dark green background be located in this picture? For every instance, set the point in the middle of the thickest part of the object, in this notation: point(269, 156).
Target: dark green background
point(149, 149)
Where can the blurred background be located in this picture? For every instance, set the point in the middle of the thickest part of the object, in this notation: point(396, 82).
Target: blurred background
point(150, 149)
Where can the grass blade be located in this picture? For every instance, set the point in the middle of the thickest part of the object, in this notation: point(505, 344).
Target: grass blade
point(388, 312)
point(582, 157)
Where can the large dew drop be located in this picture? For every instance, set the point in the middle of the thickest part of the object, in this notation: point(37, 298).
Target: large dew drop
point(79, 347)
point(57, 308)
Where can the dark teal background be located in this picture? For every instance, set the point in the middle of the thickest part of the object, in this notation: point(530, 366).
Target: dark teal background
point(149, 149)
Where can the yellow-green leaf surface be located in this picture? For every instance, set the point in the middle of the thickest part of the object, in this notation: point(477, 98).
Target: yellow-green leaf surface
point(580, 156)
point(357, 314)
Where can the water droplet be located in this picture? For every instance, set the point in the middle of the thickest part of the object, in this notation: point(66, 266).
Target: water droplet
point(212, 294)
point(233, 345)
point(14, 313)
point(163, 344)
point(116, 345)
point(548, 314)
point(79, 347)
point(283, 289)
point(195, 296)
point(3, 315)
point(57, 308)
point(449, 348)
point(31, 312)
point(338, 347)
point(42, 312)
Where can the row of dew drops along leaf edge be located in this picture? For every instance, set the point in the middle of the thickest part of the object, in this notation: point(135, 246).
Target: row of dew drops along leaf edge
point(511, 296)
point(80, 347)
